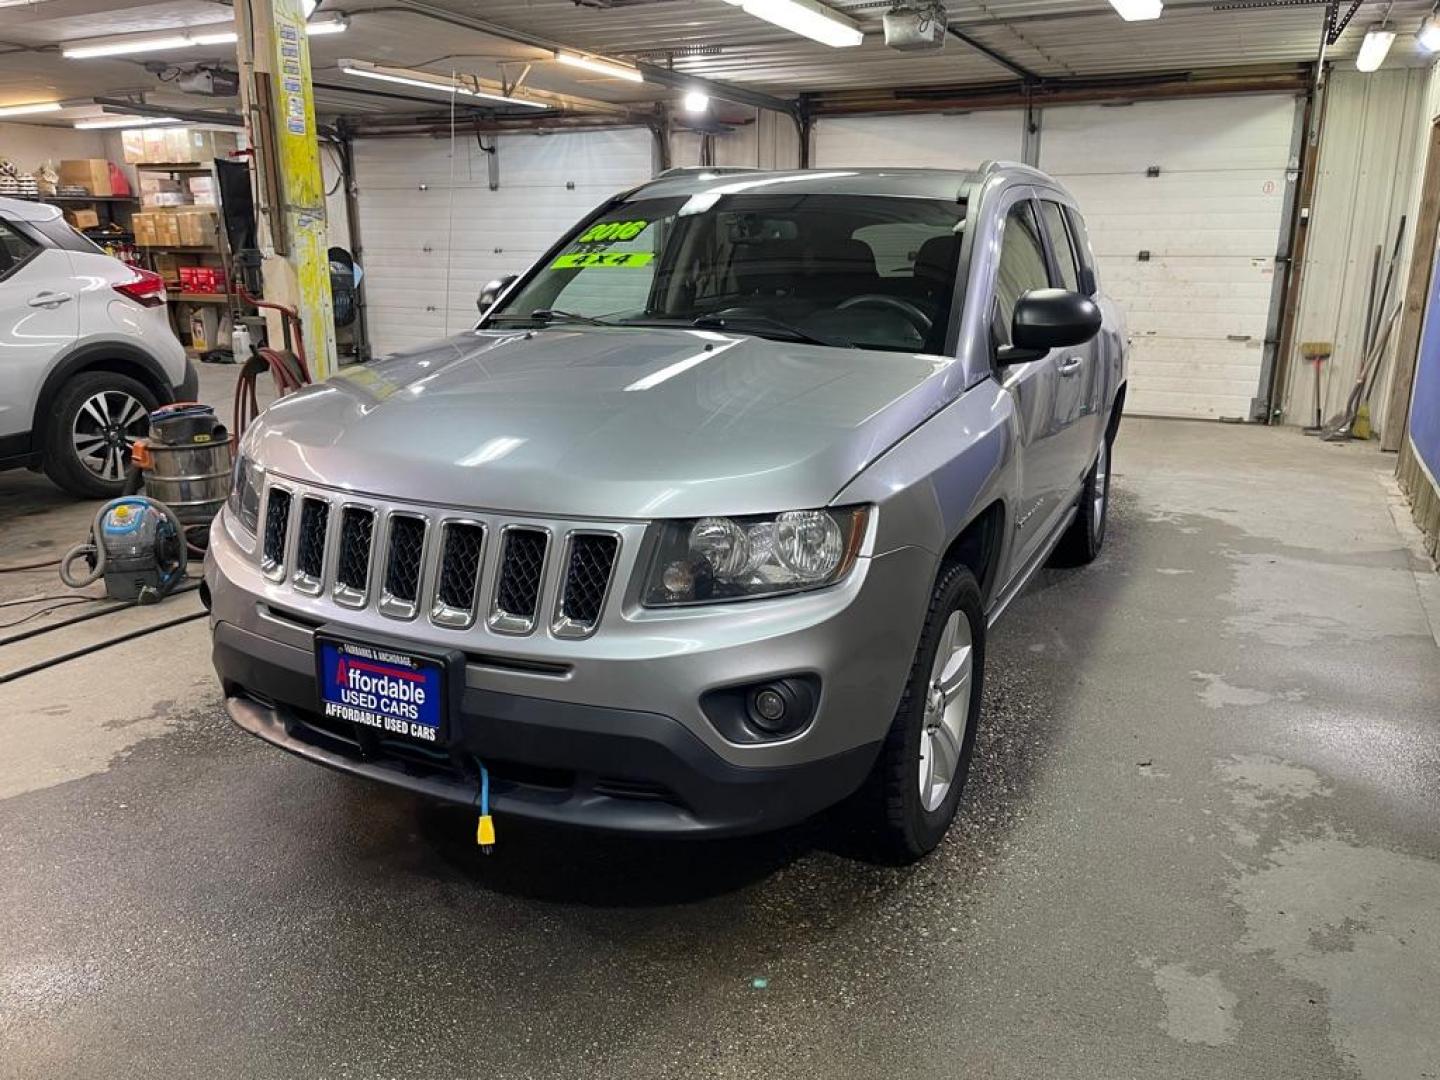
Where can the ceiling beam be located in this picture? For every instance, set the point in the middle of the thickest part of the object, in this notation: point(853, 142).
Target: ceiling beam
point(192, 116)
point(1018, 70)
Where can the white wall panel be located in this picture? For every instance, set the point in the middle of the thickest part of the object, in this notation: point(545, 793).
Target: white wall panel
point(1209, 222)
point(1372, 157)
point(434, 232)
point(930, 140)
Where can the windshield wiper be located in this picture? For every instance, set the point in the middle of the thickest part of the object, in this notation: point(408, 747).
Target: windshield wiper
point(556, 315)
point(549, 315)
point(765, 326)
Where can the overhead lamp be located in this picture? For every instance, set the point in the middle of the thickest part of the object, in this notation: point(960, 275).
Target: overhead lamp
point(806, 18)
point(185, 40)
point(441, 84)
point(327, 24)
point(124, 122)
point(1374, 48)
point(1138, 10)
point(26, 110)
point(1428, 36)
point(695, 102)
point(599, 65)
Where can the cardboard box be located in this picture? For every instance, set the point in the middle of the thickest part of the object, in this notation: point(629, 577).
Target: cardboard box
point(168, 267)
point(142, 224)
point(197, 227)
point(83, 219)
point(93, 174)
point(154, 144)
point(167, 229)
point(132, 145)
point(202, 189)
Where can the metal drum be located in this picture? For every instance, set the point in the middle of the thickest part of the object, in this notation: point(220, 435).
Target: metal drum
point(189, 462)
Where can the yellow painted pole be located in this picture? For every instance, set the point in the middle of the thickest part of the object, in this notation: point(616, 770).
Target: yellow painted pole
point(293, 236)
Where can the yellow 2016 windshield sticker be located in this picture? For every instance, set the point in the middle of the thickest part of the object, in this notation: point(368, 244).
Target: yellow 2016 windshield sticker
point(603, 258)
point(612, 230)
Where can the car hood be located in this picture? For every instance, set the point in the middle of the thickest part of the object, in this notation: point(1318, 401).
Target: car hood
point(603, 422)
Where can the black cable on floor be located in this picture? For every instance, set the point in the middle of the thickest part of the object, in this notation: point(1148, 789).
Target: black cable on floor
point(45, 611)
point(76, 654)
point(29, 566)
point(120, 606)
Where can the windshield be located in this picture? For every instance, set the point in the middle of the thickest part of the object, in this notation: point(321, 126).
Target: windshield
point(872, 272)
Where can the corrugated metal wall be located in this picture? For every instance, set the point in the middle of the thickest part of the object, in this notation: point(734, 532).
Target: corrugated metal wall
point(770, 142)
point(1371, 158)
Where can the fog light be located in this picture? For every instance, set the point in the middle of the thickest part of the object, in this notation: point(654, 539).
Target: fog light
point(769, 706)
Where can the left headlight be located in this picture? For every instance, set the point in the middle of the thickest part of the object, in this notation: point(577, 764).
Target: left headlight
point(244, 499)
point(703, 560)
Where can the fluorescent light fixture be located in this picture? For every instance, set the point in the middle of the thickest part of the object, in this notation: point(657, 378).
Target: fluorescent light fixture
point(1138, 10)
point(188, 39)
point(327, 24)
point(124, 122)
point(695, 102)
point(1374, 48)
point(26, 110)
point(806, 18)
point(599, 66)
point(440, 84)
point(1428, 36)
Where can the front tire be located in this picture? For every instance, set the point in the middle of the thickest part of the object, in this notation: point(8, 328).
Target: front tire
point(926, 756)
point(94, 421)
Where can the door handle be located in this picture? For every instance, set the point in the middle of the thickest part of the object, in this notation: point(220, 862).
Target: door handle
point(1071, 365)
point(49, 299)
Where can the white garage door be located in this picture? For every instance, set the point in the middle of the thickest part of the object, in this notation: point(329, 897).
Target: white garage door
point(426, 220)
point(1210, 222)
point(922, 140)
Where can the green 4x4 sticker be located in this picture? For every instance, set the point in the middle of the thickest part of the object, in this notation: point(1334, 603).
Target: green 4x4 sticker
point(603, 258)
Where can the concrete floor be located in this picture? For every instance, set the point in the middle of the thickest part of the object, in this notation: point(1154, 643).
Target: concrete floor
point(1202, 840)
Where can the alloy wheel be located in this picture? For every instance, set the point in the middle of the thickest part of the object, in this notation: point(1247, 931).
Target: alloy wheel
point(947, 711)
point(105, 428)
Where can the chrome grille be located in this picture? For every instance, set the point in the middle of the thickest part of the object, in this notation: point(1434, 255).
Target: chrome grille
point(404, 561)
point(310, 545)
point(352, 567)
point(522, 566)
point(277, 528)
point(462, 544)
point(587, 580)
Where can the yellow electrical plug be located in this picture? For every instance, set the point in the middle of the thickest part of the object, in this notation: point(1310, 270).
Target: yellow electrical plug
point(485, 833)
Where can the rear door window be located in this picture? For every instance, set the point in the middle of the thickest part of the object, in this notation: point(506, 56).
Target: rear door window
point(16, 249)
point(1089, 278)
point(1062, 245)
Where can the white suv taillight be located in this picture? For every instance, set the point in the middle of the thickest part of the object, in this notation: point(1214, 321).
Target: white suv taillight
point(146, 288)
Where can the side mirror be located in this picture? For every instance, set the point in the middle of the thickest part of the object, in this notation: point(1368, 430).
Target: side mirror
point(492, 290)
point(1048, 319)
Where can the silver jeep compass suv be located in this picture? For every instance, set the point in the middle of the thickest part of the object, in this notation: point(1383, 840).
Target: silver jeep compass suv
point(701, 529)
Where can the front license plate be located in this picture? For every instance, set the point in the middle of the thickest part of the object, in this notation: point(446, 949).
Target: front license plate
point(391, 692)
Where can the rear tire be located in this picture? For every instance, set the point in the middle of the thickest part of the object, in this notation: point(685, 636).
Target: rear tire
point(93, 420)
point(926, 756)
point(1082, 542)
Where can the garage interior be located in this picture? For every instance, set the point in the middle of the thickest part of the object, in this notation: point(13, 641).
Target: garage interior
point(1199, 837)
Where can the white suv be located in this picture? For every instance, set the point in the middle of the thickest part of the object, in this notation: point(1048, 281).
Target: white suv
point(86, 351)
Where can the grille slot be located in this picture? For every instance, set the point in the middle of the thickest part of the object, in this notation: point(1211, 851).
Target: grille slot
point(522, 566)
point(587, 579)
point(462, 545)
point(352, 567)
point(277, 527)
point(403, 561)
point(310, 547)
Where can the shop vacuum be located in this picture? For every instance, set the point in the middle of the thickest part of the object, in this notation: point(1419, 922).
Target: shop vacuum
point(140, 544)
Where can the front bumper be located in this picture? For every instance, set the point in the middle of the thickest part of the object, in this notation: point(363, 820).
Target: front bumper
point(552, 761)
point(608, 731)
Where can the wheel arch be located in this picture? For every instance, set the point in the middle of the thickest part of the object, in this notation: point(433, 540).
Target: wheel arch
point(119, 358)
point(978, 546)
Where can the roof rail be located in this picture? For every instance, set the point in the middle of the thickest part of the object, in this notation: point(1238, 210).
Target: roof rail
point(713, 170)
